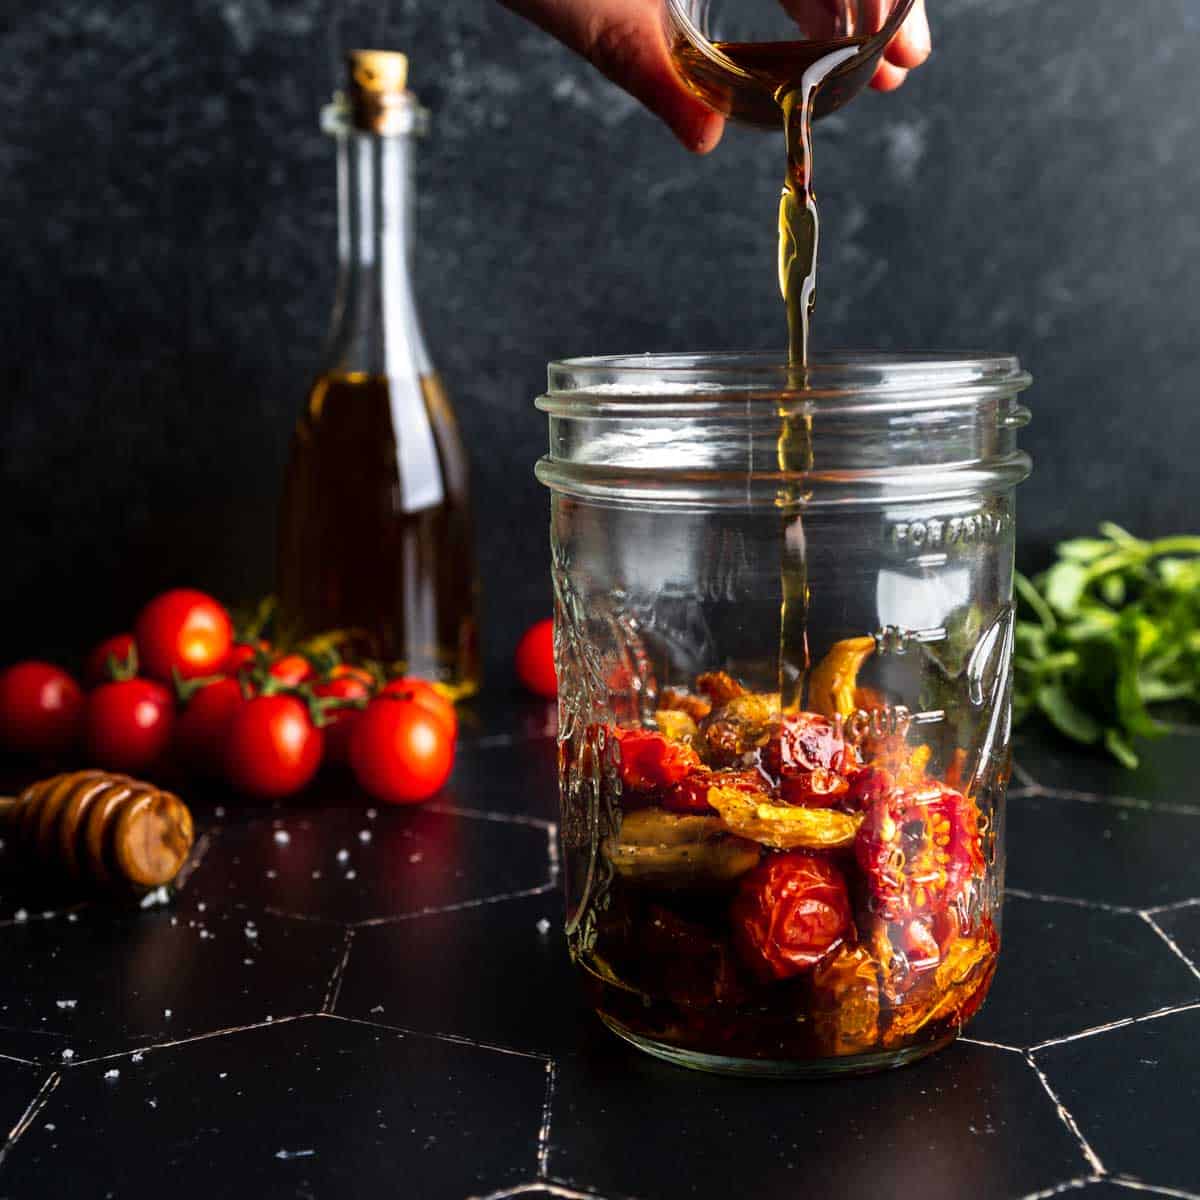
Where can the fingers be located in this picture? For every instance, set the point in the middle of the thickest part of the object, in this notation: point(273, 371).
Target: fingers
point(888, 78)
point(624, 39)
point(911, 45)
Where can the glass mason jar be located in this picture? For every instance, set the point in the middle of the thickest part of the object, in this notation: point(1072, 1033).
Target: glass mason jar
point(784, 631)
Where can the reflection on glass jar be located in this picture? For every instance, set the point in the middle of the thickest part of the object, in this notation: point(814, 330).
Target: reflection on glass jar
point(784, 639)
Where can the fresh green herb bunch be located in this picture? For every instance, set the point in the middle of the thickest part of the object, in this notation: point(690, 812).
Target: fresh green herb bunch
point(1108, 631)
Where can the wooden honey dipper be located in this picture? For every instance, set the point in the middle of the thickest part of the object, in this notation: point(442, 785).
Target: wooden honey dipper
point(101, 829)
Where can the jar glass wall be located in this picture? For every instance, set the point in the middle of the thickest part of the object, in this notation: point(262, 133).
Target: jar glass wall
point(784, 635)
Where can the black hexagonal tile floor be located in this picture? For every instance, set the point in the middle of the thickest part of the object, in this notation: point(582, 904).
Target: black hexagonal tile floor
point(1065, 968)
point(1134, 1091)
point(1182, 926)
point(521, 779)
point(505, 714)
point(1161, 777)
point(103, 982)
point(624, 1123)
point(1109, 853)
point(349, 865)
point(20, 1085)
point(314, 1107)
point(503, 976)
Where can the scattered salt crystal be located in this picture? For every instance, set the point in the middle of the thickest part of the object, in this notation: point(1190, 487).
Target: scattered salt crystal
point(372, 814)
point(364, 836)
point(316, 874)
point(416, 858)
point(223, 1075)
point(272, 874)
point(282, 837)
point(201, 906)
point(20, 915)
point(152, 1103)
point(160, 895)
point(249, 962)
point(543, 926)
point(378, 1008)
point(203, 933)
point(351, 875)
point(73, 917)
point(167, 1013)
point(219, 811)
point(286, 1154)
point(51, 1128)
point(251, 932)
point(68, 1054)
point(48, 914)
point(113, 1074)
point(66, 1003)
point(343, 856)
point(137, 1057)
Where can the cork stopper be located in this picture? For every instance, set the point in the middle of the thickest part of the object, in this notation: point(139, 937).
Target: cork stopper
point(379, 99)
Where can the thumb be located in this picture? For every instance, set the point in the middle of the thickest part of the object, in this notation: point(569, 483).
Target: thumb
point(625, 40)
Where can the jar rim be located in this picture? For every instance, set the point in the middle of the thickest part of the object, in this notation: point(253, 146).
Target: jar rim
point(868, 378)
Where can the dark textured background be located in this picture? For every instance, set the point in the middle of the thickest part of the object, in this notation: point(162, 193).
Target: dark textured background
point(167, 227)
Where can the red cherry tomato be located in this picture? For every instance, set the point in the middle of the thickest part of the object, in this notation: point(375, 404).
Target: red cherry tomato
point(790, 911)
point(291, 670)
point(691, 794)
point(116, 651)
point(650, 761)
point(344, 683)
point(918, 846)
point(202, 730)
point(127, 725)
point(184, 631)
point(535, 659)
point(243, 654)
point(400, 752)
point(272, 748)
point(422, 692)
point(40, 706)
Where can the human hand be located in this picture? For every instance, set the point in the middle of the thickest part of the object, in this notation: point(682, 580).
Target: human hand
point(625, 40)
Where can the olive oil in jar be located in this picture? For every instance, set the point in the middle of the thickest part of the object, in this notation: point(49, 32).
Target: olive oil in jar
point(375, 538)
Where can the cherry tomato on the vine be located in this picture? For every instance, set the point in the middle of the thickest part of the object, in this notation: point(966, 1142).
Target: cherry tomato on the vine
point(243, 654)
point(401, 752)
point(535, 659)
point(118, 651)
point(183, 631)
point(127, 724)
point(344, 683)
point(422, 692)
point(272, 748)
point(203, 727)
point(40, 706)
point(291, 670)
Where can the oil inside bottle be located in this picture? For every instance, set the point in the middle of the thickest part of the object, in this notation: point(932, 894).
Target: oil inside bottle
point(375, 537)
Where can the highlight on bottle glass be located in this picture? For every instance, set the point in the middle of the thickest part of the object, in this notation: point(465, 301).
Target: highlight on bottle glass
point(784, 632)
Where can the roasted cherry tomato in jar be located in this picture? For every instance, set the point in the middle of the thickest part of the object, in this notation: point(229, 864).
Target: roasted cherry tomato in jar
point(400, 752)
point(790, 911)
point(348, 684)
point(273, 748)
point(917, 847)
point(690, 795)
point(202, 729)
point(40, 707)
point(113, 658)
point(182, 632)
point(128, 724)
point(422, 692)
point(535, 659)
point(649, 762)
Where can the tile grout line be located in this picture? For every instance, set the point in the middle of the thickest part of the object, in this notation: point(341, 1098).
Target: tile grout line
point(1070, 1185)
point(970, 1041)
point(197, 856)
point(1048, 898)
point(1133, 1184)
point(552, 852)
point(539, 890)
point(1170, 1011)
point(480, 814)
point(551, 1188)
point(543, 1144)
point(453, 1038)
point(1172, 945)
point(1090, 1155)
point(1150, 806)
point(31, 1112)
point(339, 973)
point(1174, 906)
point(187, 1041)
